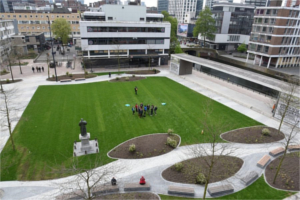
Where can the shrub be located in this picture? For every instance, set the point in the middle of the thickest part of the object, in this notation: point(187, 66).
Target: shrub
point(67, 73)
point(86, 72)
point(127, 78)
point(171, 142)
point(117, 78)
point(132, 147)
point(200, 178)
point(53, 76)
point(70, 75)
point(7, 80)
point(178, 166)
point(265, 131)
point(133, 75)
point(170, 131)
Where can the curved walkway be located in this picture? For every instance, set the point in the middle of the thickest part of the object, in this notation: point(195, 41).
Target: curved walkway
point(151, 168)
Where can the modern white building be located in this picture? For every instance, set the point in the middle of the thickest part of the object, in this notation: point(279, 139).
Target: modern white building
point(125, 34)
point(180, 8)
point(7, 30)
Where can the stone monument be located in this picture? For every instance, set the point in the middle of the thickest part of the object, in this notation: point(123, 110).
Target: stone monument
point(85, 146)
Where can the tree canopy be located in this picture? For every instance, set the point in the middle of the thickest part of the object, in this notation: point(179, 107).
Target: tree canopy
point(173, 22)
point(242, 48)
point(61, 29)
point(205, 24)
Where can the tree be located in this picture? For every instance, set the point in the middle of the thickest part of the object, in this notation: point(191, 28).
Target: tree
point(11, 58)
point(18, 54)
point(174, 23)
point(205, 25)
point(178, 49)
point(86, 179)
point(8, 110)
point(242, 48)
point(210, 154)
point(61, 30)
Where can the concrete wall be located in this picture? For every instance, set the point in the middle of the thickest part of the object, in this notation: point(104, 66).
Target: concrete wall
point(185, 67)
point(124, 13)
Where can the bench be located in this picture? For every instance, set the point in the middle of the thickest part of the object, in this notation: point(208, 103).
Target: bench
point(79, 79)
point(65, 80)
point(136, 187)
point(249, 178)
point(181, 191)
point(220, 190)
point(105, 189)
point(277, 151)
point(263, 161)
point(294, 147)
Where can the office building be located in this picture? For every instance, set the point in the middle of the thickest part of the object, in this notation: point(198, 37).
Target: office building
point(275, 36)
point(233, 24)
point(7, 30)
point(210, 3)
point(162, 5)
point(179, 8)
point(256, 3)
point(127, 33)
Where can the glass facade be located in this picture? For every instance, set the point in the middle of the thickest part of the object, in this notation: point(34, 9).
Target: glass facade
point(120, 41)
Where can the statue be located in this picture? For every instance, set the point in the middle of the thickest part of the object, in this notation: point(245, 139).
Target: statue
point(82, 127)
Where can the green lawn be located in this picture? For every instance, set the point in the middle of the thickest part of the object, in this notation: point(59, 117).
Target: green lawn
point(258, 190)
point(45, 134)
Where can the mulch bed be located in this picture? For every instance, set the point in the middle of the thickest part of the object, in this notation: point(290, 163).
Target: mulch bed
point(73, 77)
point(253, 135)
point(131, 195)
point(10, 81)
point(224, 167)
point(146, 147)
point(288, 177)
point(144, 72)
point(126, 79)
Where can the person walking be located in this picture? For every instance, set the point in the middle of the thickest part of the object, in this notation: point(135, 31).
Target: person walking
point(152, 107)
point(133, 111)
point(109, 74)
point(136, 107)
point(43, 69)
point(155, 109)
point(37, 69)
point(148, 109)
point(145, 110)
point(33, 69)
point(135, 90)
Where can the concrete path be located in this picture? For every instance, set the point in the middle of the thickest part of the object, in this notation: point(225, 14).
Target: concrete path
point(240, 99)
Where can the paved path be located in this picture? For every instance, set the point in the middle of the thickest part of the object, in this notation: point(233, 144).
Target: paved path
point(239, 99)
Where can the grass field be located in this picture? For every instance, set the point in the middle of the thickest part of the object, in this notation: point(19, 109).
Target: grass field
point(258, 190)
point(45, 134)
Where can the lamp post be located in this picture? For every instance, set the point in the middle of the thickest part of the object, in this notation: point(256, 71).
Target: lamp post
point(52, 49)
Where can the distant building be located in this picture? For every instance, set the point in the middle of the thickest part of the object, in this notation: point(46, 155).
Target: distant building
point(233, 24)
point(179, 8)
point(7, 30)
point(162, 5)
point(210, 3)
point(4, 6)
point(23, 43)
point(151, 9)
point(125, 32)
point(275, 34)
point(257, 3)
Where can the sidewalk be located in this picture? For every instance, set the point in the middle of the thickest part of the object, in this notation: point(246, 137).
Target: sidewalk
point(237, 98)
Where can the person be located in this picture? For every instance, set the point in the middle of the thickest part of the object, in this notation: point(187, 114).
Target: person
point(37, 69)
point(155, 71)
point(43, 69)
point(33, 69)
point(113, 181)
point(141, 112)
point(155, 109)
point(148, 108)
point(40, 69)
point(109, 74)
point(152, 107)
point(135, 90)
point(133, 111)
point(273, 108)
point(145, 110)
point(142, 181)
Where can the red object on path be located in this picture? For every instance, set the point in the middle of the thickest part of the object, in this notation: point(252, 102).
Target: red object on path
point(142, 181)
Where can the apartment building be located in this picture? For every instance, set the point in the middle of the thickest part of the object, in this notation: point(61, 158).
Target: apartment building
point(35, 23)
point(179, 8)
point(275, 36)
point(125, 34)
point(7, 30)
point(162, 5)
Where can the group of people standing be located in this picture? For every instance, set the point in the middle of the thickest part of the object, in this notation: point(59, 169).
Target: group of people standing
point(142, 109)
point(38, 69)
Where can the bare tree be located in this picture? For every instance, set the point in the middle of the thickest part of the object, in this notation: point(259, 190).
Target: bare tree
point(87, 179)
point(9, 109)
point(11, 60)
point(211, 154)
point(18, 55)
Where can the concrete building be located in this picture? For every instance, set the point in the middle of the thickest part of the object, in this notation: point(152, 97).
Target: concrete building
point(275, 36)
point(152, 9)
point(256, 3)
point(4, 6)
point(233, 24)
point(35, 23)
point(179, 8)
point(23, 43)
point(125, 32)
point(7, 30)
point(210, 3)
point(162, 5)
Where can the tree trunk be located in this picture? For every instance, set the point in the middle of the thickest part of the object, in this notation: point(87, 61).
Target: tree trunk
point(20, 66)
point(284, 113)
point(279, 166)
point(204, 41)
point(208, 178)
point(9, 124)
point(12, 77)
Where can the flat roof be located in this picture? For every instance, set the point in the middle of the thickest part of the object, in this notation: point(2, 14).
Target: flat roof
point(241, 73)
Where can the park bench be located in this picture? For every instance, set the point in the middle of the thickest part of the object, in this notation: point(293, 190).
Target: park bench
point(220, 190)
point(294, 147)
point(181, 191)
point(136, 187)
point(277, 151)
point(79, 79)
point(105, 189)
point(65, 80)
point(249, 178)
point(263, 161)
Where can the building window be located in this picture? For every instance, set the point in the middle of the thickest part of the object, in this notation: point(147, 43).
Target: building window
point(63, 16)
point(77, 16)
point(274, 12)
point(14, 16)
point(268, 11)
point(30, 16)
point(52, 16)
point(266, 21)
point(8, 16)
point(67, 16)
point(109, 18)
point(20, 15)
point(142, 19)
point(33, 28)
point(43, 27)
point(42, 16)
point(38, 27)
point(25, 16)
point(57, 16)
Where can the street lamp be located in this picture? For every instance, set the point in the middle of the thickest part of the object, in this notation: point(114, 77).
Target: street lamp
point(52, 49)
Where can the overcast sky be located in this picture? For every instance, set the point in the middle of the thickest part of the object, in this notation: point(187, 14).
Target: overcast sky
point(149, 3)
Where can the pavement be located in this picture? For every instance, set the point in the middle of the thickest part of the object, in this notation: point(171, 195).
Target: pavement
point(249, 103)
